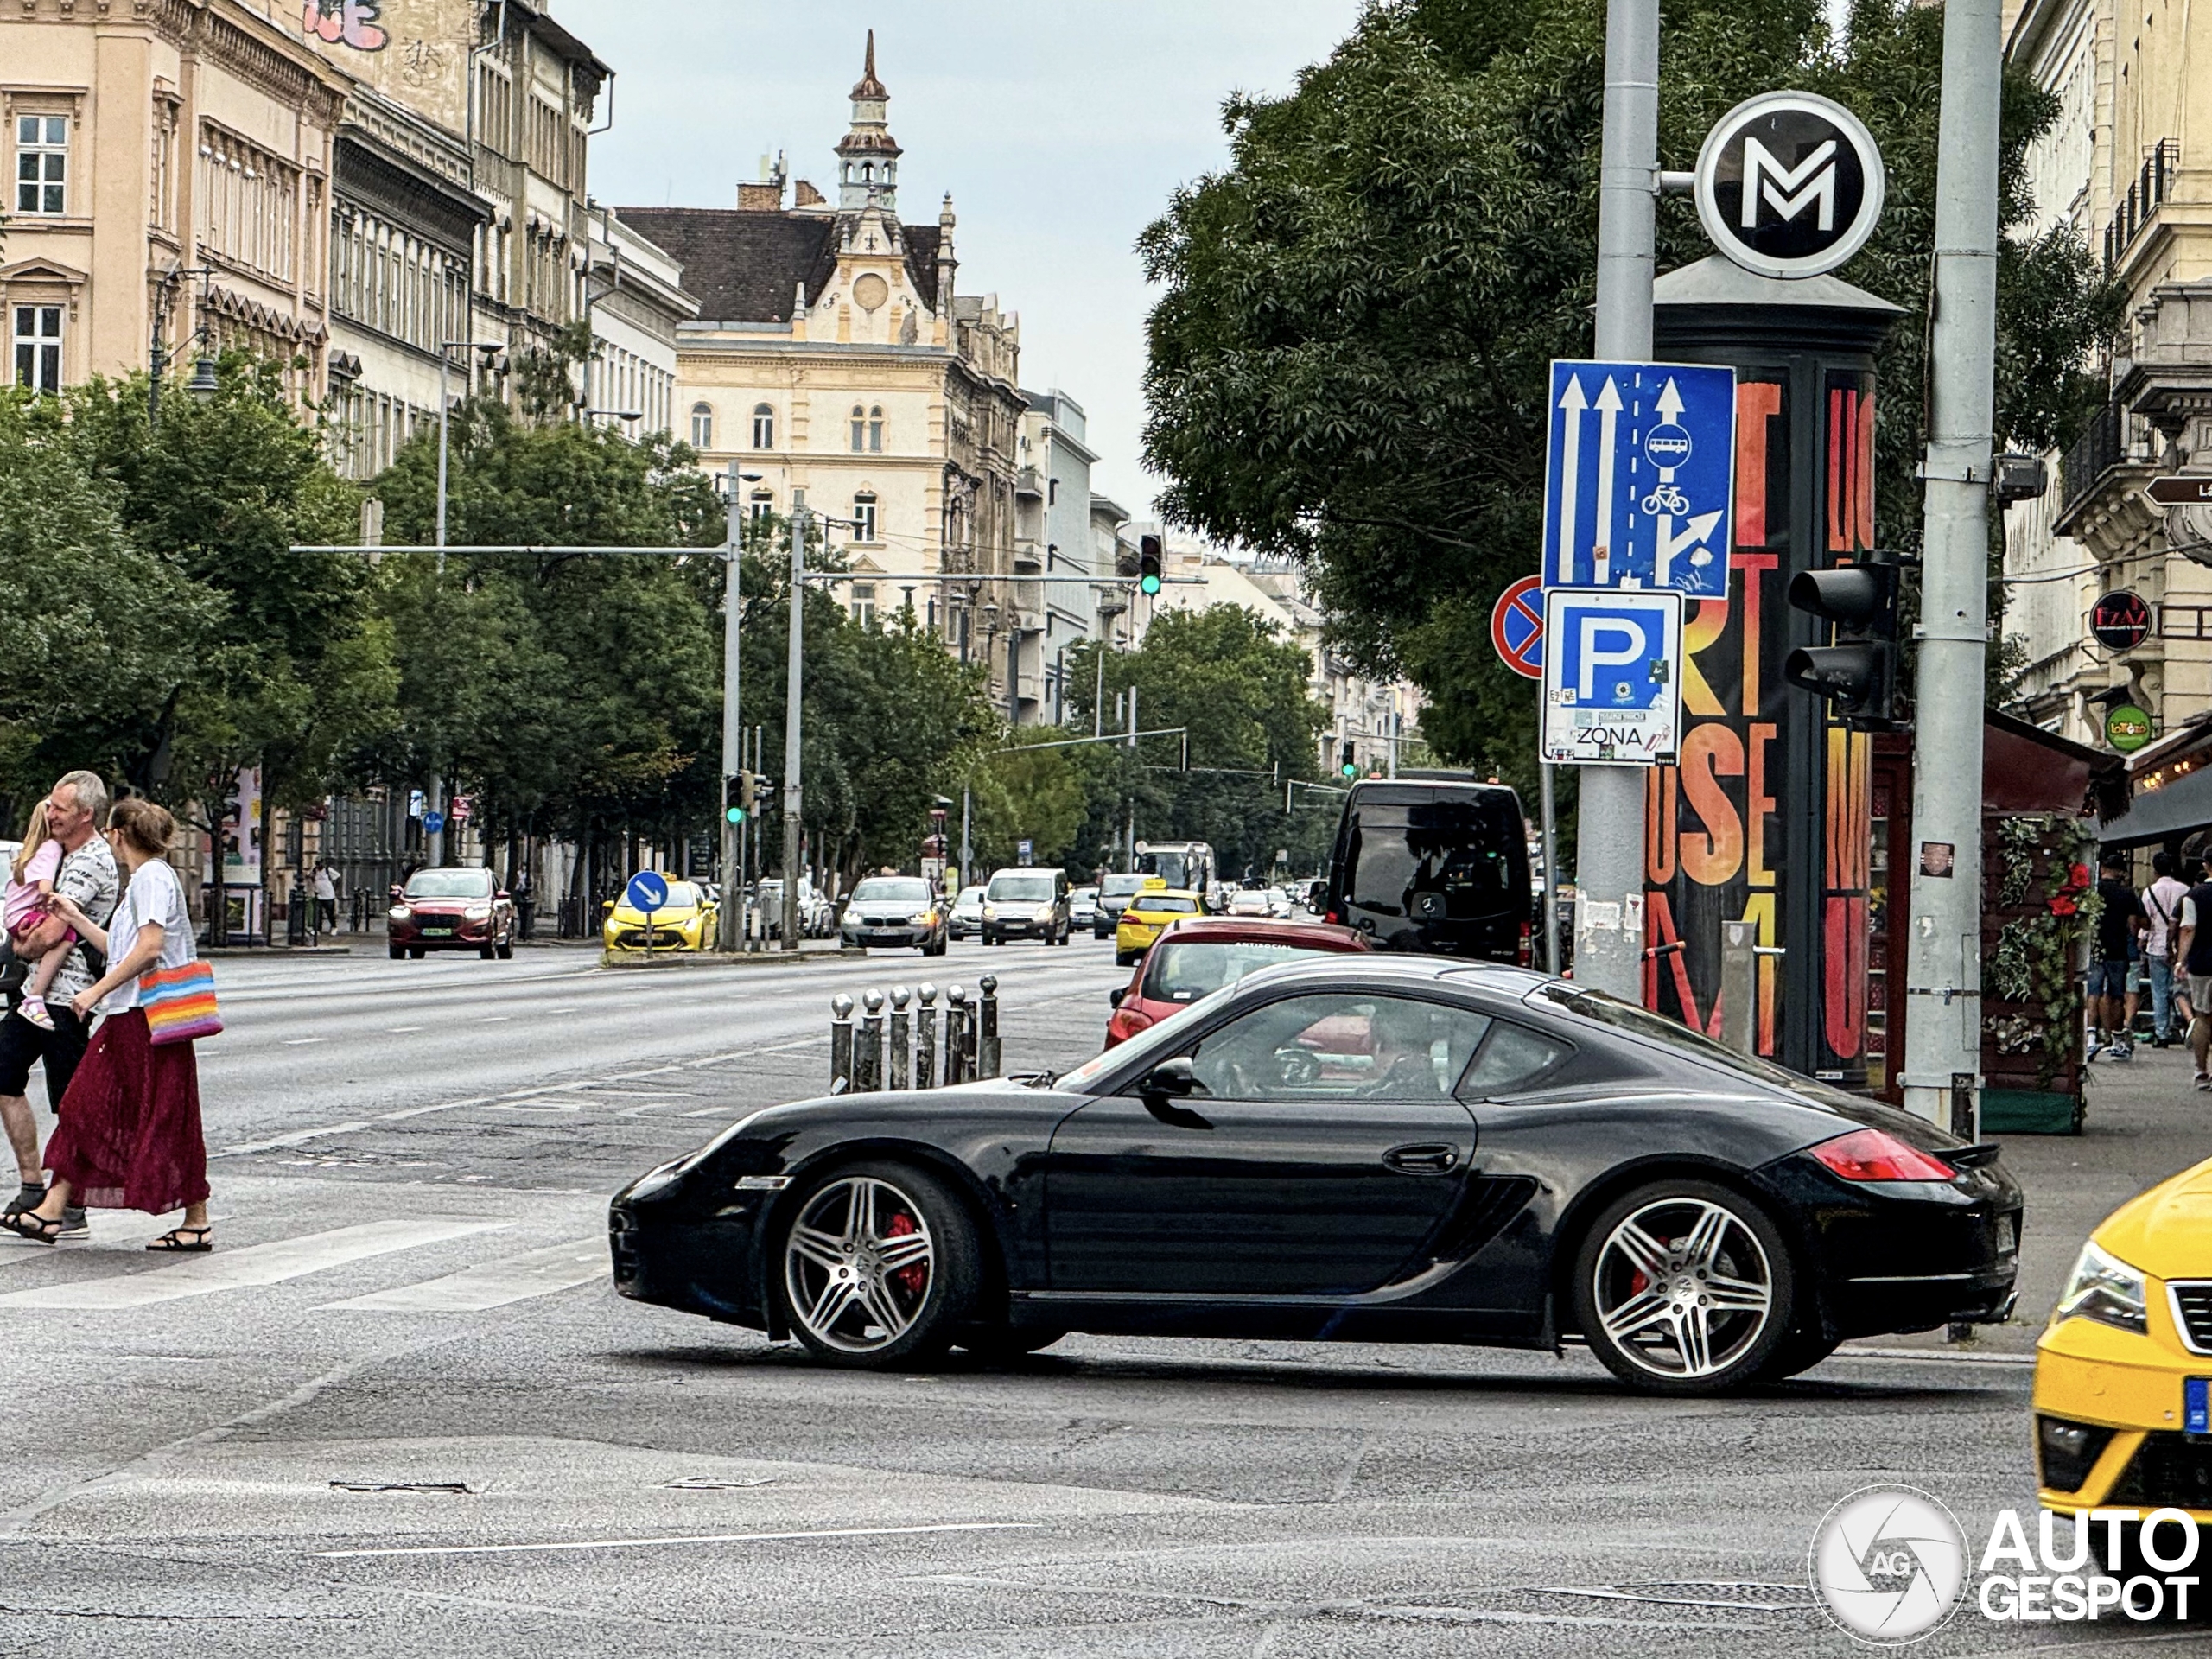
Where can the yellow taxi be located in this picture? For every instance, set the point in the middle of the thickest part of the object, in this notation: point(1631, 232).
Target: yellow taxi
point(686, 922)
point(2123, 1420)
point(1149, 913)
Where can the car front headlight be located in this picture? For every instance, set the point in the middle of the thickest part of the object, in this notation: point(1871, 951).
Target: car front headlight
point(923, 917)
point(2104, 1288)
point(402, 913)
point(478, 913)
point(990, 913)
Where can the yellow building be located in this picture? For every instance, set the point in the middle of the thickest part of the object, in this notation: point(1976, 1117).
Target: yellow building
point(169, 165)
point(833, 357)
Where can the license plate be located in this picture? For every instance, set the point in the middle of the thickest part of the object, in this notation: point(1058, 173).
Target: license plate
point(2196, 1406)
point(437, 933)
point(2008, 1237)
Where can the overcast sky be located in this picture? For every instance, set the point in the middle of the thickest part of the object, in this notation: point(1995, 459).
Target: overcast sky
point(1059, 126)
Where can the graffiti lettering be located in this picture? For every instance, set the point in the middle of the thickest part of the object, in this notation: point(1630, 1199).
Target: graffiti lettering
point(353, 22)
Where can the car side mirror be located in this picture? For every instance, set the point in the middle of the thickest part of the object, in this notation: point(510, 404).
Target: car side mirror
point(1115, 996)
point(605, 906)
point(503, 895)
point(1170, 1077)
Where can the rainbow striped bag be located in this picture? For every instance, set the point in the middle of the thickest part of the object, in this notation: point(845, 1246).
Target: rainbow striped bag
point(179, 1003)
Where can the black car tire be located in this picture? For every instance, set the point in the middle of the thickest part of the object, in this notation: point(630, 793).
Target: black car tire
point(487, 951)
point(398, 951)
point(1800, 1351)
point(999, 1344)
point(414, 953)
point(1748, 1250)
point(934, 1311)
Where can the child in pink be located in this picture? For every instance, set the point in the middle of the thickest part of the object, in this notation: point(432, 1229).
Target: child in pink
point(30, 883)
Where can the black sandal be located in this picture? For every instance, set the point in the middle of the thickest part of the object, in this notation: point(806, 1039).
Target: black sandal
point(29, 1224)
point(175, 1240)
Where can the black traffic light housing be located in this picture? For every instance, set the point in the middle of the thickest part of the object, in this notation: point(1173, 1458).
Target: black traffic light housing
point(1858, 673)
point(1149, 564)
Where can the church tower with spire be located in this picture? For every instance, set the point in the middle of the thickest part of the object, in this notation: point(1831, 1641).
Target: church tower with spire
point(867, 155)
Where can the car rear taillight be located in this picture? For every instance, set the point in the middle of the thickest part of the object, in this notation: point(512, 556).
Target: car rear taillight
point(1331, 916)
point(1527, 955)
point(1877, 1155)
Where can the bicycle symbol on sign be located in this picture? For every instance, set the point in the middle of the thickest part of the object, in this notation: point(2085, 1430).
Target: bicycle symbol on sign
point(1667, 498)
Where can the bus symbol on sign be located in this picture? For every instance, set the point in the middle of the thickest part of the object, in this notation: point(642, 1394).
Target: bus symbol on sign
point(1668, 446)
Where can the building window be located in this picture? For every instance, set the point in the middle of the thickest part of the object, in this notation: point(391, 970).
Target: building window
point(42, 163)
point(762, 507)
point(864, 517)
point(38, 347)
point(864, 603)
point(1052, 492)
point(703, 426)
point(875, 430)
point(859, 428)
point(763, 426)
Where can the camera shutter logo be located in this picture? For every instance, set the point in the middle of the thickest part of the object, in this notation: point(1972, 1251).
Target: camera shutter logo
point(1889, 1564)
point(1789, 184)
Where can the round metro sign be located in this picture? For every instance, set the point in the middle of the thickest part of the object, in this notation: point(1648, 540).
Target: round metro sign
point(1789, 184)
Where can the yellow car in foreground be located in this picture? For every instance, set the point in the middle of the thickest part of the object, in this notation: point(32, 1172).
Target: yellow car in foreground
point(1148, 914)
point(2122, 1415)
point(686, 922)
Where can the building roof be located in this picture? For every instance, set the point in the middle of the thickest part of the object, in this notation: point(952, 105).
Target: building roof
point(744, 266)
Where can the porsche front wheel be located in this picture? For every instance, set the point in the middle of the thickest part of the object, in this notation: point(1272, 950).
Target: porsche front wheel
point(879, 1267)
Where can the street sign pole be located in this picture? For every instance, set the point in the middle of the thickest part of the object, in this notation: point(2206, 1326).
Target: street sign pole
point(730, 919)
point(1943, 964)
point(792, 821)
point(1609, 846)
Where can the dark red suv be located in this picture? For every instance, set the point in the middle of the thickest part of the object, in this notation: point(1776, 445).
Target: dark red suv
point(451, 909)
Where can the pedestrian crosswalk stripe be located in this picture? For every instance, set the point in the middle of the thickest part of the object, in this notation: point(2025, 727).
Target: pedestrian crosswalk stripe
point(257, 1264)
point(540, 1273)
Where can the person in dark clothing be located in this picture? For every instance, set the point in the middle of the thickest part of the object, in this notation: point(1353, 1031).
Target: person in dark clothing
point(2195, 954)
point(2117, 926)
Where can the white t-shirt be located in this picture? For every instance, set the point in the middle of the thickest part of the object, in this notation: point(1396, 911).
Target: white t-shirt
point(155, 896)
point(2168, 895)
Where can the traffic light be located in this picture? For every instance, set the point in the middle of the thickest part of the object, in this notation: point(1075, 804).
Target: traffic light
point(1148, 565)
point(1857, 674)
point(1348, 766)
point(741, 795)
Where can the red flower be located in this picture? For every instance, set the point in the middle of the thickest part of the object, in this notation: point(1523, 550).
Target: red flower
point(2078, 878)
point(2062, 905)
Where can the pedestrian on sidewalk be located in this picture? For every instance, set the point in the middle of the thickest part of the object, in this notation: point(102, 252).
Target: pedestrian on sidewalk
point(2195, 954)
point(326, 895)
point(129, 1136)
point(87, 882)
point(2118, 923)
point(2161, 908)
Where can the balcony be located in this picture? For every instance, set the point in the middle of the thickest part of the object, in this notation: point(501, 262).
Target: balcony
point(1027, 482)
point(2094, 452)
point(2152, 184)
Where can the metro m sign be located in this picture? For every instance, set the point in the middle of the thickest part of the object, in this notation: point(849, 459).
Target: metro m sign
point(1789, 184)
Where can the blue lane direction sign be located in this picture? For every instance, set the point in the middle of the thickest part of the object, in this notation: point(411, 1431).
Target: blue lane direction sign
point(433, 822)
point(1612, 693)
point(1640, 477)
point(647, 891)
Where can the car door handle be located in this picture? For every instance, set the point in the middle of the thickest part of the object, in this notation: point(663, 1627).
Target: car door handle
point(1429, 1158)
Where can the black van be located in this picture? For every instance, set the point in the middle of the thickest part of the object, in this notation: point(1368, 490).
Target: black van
point(1434, 866)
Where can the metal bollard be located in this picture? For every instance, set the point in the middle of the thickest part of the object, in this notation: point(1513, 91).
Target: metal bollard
point(925, 1039)
point(840, 1043)
point(955, 1036)
point(868, 1057)
point(901, 1067)
point(987, 1029)
point(1739, 982)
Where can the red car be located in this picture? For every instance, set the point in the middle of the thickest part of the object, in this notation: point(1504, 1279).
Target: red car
point(453, 908)
point(1195, 957)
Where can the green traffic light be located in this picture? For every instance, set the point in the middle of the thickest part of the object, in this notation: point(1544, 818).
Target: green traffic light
point(1350, 771)
point(735, 814)
point(1150, 584)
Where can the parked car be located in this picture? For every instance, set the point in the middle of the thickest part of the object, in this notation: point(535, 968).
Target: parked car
point(1195, 958)
point(450, 908)
point(1082, 909)
point(1278, 904)
point(1027, 904)
point(1146, 916)
point(1705, 1222)
point(1436, 866)
point(686, 922)
point(1115, 893)
point(895, 912)
point(968, 912)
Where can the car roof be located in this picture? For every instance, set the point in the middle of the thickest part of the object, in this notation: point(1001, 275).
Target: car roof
point(1230, 930)
point(1144, 893)
point(1379, 968)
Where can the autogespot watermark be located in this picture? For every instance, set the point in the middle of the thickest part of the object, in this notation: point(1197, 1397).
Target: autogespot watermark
point(1890, 1565)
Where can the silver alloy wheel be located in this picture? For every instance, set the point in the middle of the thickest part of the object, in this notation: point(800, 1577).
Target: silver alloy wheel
point(1683, 1288)
point(858, 1264)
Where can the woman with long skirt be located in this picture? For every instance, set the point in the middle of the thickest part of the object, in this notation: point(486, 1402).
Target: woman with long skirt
point(128, 1134)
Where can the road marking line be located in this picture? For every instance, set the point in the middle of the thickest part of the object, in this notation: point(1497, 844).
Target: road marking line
point(495, 1020)
point(401, 1031)
point(291, 1140)
point(301, 1042)
point(537, 1106)
point(710, 1111)
point(495, 1284)
point(259, 1264)
point(699, 1538)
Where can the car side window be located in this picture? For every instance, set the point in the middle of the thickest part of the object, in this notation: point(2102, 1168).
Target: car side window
point(1513, 1057)
point(1339, 1046)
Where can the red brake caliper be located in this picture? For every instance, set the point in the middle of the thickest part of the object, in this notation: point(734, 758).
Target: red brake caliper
point(910, 1280)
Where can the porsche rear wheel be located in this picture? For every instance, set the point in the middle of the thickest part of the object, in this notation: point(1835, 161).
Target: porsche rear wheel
point(880, 1266)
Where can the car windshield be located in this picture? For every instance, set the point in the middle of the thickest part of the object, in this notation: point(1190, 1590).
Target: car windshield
point(884, 890)
point(1166, 904)
point(970, 896)
point(1454, 848)
point(1024, 889)
point(681, 895)
point(1119, 886)
point(1183, 970)
point(449, 883)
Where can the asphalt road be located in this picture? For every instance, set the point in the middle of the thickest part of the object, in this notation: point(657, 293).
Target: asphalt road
point(410, 1294)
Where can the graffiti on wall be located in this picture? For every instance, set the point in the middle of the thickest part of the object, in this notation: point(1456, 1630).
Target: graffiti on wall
point(346, 22)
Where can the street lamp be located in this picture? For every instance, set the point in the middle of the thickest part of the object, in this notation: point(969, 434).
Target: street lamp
point(203, 383)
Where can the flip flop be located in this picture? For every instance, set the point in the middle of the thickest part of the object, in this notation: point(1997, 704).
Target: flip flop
point(175, 1240)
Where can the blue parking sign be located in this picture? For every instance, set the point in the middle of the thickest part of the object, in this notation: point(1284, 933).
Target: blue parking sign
point(1612, 686)
point(1640, 477)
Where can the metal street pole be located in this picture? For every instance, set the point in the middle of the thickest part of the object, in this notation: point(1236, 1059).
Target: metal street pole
point(1943, 960)
point(1609, 851)
point(730, 920)
point(1550, 900)
point(792, 818)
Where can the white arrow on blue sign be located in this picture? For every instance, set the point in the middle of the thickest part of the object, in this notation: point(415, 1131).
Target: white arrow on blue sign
point(648, 891)
point(1612, 692)
point(1640, 477)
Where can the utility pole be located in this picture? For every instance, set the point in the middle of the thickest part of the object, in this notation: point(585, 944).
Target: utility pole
point(966, 813)
point(1943, 961)
point(1609, 857)
point(1133, 778)
point(793, 822)
point(730, 921)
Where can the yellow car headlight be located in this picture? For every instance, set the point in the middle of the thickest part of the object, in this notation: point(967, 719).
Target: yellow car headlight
point(2104, 1288)
point(922, 918)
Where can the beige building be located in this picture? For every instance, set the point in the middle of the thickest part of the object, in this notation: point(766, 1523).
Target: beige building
point(169, 166)
point(833, 357)
point(2128, 167)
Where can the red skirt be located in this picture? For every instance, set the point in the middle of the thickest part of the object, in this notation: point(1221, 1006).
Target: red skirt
point(129, 1136)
